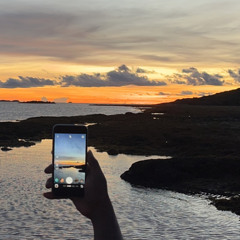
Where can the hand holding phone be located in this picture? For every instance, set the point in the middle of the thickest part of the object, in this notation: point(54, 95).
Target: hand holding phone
point(95, 204)
point(95, 195)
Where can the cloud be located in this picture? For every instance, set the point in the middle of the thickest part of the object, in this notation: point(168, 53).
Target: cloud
point(141, 70)
point(60, 100)
point(186, 93)
point(163, 94)
point(96, 33)
point(123, 68)
point(155, 58)
point(122, 76)
point(191, 76)
point(83, 80)
point(26, 82)
point(116, 78)
point(202, 94)
point(189, 70)
point(44, 99)
point(176, 81)
point(235, 75)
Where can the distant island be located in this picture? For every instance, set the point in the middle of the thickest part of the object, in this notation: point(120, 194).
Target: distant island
point(44, 102)
point(9, 100)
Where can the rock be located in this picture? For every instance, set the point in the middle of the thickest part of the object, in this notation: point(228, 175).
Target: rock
point(219, 176)
point(188, 175)
point(232, 204)
point(5, 149)
point(112, 152)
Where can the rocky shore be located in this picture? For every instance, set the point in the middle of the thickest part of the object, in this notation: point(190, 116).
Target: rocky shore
point(219, 178)
point(201, 139)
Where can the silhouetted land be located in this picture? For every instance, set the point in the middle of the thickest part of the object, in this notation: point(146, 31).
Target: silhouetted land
point(203, 141)
point(9, 100)
point(39, 102)
point(228, 98)
point(44, 102)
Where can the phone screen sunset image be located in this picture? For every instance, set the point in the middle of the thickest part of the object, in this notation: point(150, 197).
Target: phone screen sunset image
point(69, 158)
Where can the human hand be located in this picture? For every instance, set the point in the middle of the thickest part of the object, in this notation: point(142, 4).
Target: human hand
point(95, 198)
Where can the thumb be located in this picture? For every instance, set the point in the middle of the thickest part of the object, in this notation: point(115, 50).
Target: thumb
point(92, 161)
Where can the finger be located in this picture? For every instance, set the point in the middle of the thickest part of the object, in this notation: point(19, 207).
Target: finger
point(49, 183)
point(92, 161)
point(50, 195)
point(93, 165)
point(49, 169)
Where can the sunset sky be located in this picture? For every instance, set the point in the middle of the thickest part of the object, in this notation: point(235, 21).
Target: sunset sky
point(106, 51)
point(70, 148)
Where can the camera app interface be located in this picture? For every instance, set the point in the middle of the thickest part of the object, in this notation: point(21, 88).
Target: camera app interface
point(69, 160)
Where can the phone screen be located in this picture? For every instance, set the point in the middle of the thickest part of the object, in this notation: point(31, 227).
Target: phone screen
point(69, 160)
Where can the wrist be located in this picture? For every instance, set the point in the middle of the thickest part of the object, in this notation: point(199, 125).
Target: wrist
point(103, 209)
point(105, 223)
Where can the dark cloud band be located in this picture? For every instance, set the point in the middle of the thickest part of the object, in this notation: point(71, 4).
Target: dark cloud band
point(26, 82)
point(235, 75)
point(122, 76)
point(191, 76)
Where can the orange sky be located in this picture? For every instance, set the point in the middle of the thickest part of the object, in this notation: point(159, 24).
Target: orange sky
point(69, 163)
point(125, 94)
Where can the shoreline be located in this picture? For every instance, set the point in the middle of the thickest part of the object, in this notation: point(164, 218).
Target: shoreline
point(181, 131)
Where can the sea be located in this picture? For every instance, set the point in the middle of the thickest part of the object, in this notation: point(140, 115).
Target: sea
point(14, 111)
point(143, 213)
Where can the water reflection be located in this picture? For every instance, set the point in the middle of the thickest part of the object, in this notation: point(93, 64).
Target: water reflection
point(143, 213)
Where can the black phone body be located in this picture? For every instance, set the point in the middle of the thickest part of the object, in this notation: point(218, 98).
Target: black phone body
point(69, 155)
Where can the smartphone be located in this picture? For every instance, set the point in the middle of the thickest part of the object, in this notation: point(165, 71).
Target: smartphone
point(69, 159)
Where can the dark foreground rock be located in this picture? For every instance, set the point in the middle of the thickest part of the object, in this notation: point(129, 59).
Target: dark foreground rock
point(6, 149)
point(167, 129)
point(230, 204)
point(219, 176)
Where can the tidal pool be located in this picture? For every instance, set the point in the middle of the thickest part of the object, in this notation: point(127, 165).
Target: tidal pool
point(143, 213)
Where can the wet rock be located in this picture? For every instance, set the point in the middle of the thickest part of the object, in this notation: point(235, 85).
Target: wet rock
point(231, 204)
point(5, 149)
point(218, 176)
point(112, 151)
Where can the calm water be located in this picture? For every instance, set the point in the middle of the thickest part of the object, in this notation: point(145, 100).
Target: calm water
point(142, 213)
point(11, 111)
